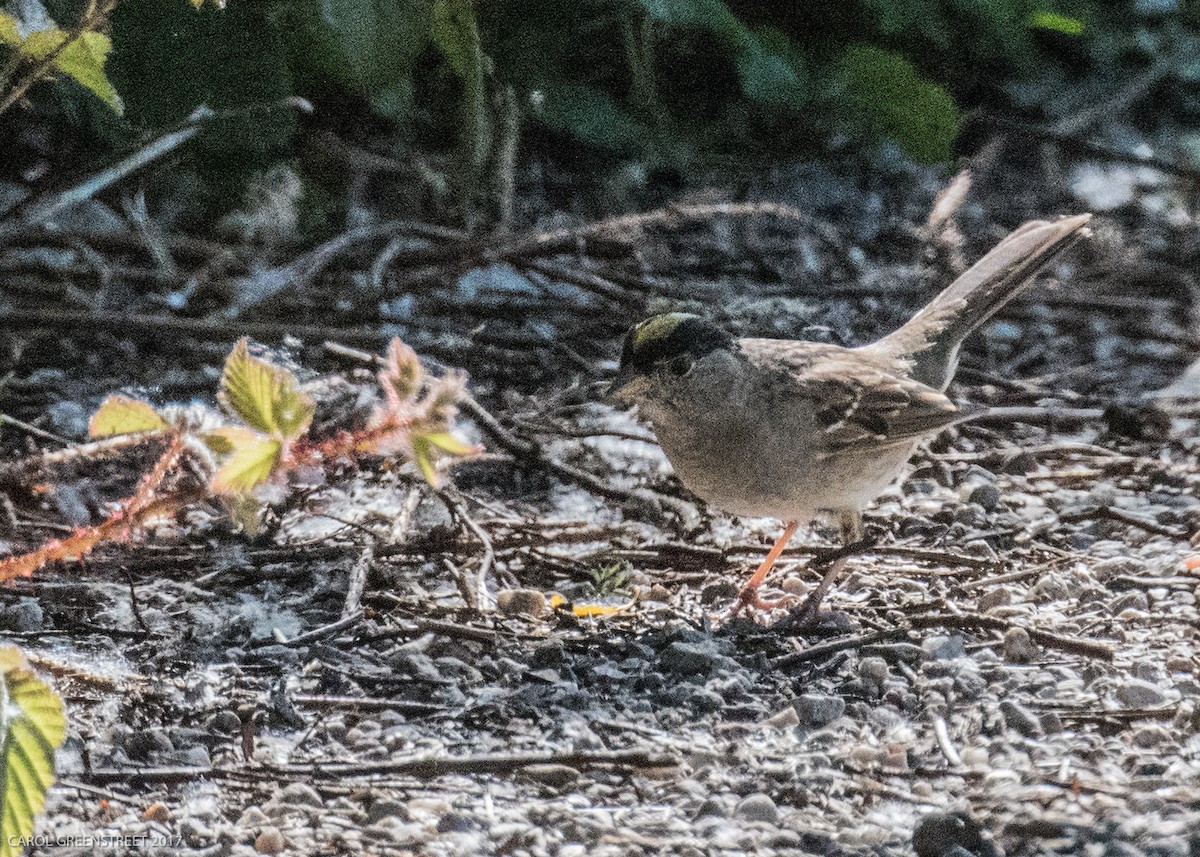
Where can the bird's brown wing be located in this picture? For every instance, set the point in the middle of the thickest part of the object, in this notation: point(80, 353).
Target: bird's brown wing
point(860, 401)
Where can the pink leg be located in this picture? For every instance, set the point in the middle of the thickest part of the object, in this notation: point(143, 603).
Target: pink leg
point(748, 597)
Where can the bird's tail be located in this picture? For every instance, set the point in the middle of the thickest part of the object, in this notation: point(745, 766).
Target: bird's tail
point(932, 337)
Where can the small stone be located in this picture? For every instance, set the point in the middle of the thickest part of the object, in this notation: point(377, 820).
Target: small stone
point(301, 794)
point(1136, 693)
point(1134, 600)
point(944, 647)
point(553, 775)
point(1180, 665)
point(937, 834)
point(157, 811)
point(785, 719)
point(994, 598)
point(985, 496)
point(25, 616)
point(700, 658)
point(1020, 718)
point(1018, 647)
point(252, 816)
point(874, 670)
point(757, 807)
point(522, 602)
point(387, 808)
point(816, 710)
point(225, 723)
point(269, 841)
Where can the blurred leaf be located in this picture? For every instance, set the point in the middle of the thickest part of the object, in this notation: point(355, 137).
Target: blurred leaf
point(124, 415)
point(456, 34)
point(451, 445)
point(712, 15)
point(252, 462)
point(423, 456)
point(33, 727)
point(266, 397)
point(370, 46)
point(892, 100)
point(8, 30)
point(1044, 20)
point(590, 115)
point(771, 68)
point(401, 375)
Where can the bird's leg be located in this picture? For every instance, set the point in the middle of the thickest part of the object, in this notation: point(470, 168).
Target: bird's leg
point(852, 533)
point(748, 597)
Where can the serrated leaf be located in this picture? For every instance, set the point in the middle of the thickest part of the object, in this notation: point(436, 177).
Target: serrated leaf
point(266, 397)
point(401, 375)
point(82, 59)
point(124, 415)
point(33, 726)
point(251, 463)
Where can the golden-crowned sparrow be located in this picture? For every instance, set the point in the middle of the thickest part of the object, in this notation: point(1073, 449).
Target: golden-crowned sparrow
point(791, 429)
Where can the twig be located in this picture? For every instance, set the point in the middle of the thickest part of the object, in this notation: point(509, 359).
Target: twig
point(476, 596)
point(426, 767)
point(1121, 516)
point(313, 635)
point(33, 430)
point(357, 582)
point(404, 706)
point(942, 733)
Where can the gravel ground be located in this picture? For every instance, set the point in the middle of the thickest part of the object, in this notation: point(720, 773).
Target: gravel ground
point(1011, 670)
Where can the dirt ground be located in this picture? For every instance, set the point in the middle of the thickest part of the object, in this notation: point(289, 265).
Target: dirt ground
point(1012, 669)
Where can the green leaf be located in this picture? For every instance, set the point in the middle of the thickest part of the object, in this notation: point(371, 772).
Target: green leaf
point(9, 34)
point(771, 68)
point(266, 397)
point(892, 100)
point(124, 415)
point(1057, 22)
point(253, 460)
point(368, 45)
point(33, 727)
point(81, 58)
point(423, 456)
point(449, 444)
point(590, 116)
point(456, 34)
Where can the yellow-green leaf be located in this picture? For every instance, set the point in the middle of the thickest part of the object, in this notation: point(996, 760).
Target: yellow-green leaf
point(33, 727)
point(251, 463)
point(423, 456)
point(124, 415)
point(451, 445)
point(9, 34)
point(1046, 20)
point(402, 374)
point(266, 397)
point(81, 58)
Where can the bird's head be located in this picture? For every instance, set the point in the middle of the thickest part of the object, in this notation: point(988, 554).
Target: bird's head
point(661, 351)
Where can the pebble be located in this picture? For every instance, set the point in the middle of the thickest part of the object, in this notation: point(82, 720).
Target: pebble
point(269, 841)
point(757, 807)
point(939, 834)
point(158, 812)
point(701, 658)
point(522, 602)
point(252, 816)
point(816, 710)
point(387, 808)
point(985, 496)
point(301, 794)
point(1018, 647)
point(554, 775)
point(1137, 693)
point(1020, 718)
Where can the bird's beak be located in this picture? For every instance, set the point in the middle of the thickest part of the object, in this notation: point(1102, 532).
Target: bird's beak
point(626, 388)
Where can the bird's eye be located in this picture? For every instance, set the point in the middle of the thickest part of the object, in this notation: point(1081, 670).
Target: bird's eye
point(681, 364)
